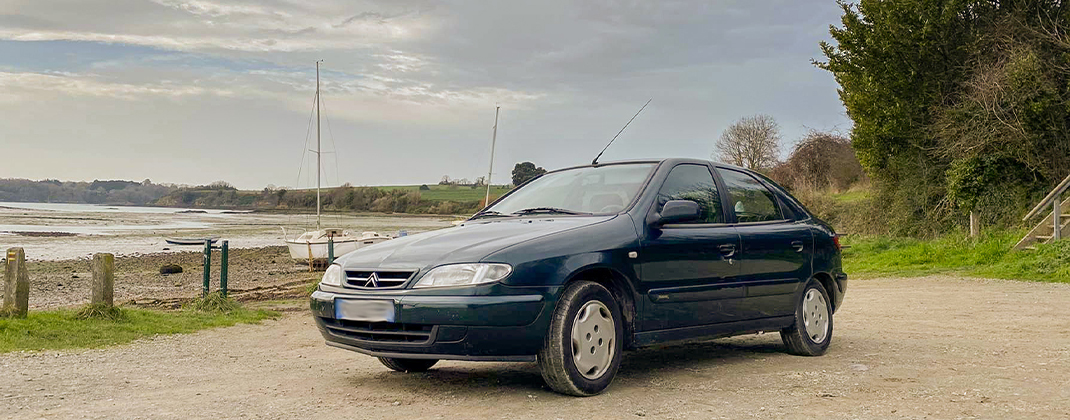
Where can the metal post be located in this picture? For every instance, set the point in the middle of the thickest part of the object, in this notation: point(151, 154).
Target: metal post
point(330, 250)
point(207, 266)
point(493, 140)
point(1056, 215)
point(223, 270)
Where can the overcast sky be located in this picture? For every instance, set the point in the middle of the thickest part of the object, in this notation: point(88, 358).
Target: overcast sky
point(194, 91)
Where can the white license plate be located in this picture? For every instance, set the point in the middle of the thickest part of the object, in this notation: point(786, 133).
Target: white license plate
point(364, 310)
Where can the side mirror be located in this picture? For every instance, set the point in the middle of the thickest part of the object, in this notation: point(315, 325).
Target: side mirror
point(677, 211)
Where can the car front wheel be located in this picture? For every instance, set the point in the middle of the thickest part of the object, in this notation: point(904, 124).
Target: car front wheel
point(811, 333)
point(582, 350)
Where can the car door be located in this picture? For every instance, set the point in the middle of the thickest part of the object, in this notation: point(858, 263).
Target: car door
point(688, 269)
point(777, 251)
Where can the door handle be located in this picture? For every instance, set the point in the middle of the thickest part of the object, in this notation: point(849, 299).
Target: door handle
point(798, 245)
point(728, 251)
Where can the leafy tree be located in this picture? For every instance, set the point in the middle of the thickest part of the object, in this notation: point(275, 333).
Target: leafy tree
point(524, 171)
point(958, 105)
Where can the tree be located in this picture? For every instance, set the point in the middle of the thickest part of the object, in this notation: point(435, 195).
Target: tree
point(524, 171)
point(751, 142)
point(957, 105)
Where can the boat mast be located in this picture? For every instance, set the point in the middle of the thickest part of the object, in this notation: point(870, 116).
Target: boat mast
point(493, 140)
point(318, 157)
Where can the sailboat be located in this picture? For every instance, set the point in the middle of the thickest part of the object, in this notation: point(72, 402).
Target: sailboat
point(313, 246)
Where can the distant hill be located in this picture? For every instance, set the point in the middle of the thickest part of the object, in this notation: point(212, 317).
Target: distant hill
point(96, 192)
point(420, 199)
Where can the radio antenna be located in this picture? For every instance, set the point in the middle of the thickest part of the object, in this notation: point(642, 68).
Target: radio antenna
point(595, 161)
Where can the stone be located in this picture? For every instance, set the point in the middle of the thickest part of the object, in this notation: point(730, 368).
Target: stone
point(170, 269)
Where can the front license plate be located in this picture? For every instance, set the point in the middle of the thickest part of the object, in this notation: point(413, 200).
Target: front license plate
point(364, 310)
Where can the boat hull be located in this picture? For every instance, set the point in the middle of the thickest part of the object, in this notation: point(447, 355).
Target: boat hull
point(299, 250)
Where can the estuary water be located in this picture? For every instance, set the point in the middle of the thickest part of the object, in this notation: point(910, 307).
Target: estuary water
point(56, 231)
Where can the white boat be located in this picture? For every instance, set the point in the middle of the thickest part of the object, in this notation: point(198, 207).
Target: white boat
point(313, 246)
point(315, 243)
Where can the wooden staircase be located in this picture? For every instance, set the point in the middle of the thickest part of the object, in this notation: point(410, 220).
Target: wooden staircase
point(1046, 231)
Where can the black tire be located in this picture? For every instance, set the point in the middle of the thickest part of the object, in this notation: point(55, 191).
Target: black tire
point(557, 361)
point(796, 338)
point(408, 365)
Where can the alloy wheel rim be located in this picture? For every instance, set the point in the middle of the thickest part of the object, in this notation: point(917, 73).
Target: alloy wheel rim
point(815, 316)
point(593, 335)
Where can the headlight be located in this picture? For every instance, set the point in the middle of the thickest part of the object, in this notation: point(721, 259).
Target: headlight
point(464, 275)
point(333, 276)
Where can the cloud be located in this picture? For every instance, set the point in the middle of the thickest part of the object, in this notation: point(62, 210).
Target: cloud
point(415, 78)
point(21, 86)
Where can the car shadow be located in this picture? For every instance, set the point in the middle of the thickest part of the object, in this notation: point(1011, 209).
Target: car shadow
point(638, 366)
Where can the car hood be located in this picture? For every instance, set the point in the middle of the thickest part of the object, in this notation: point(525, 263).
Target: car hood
point(468, 242)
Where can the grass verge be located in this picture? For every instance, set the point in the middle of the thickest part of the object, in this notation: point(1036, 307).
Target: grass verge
point(63, 329)
point(987, 256)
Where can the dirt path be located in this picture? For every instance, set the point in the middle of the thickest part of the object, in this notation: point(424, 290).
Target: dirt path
point(934, 347)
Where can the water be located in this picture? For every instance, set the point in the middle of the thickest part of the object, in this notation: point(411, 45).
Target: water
point(51, 231)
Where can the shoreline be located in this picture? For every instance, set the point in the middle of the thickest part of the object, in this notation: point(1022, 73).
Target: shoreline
point(253, 274)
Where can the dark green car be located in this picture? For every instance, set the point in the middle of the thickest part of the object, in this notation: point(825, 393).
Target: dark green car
point(578, 265)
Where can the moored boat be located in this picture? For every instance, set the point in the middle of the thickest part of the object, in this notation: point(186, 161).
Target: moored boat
point(315, 243)
point(190, 241)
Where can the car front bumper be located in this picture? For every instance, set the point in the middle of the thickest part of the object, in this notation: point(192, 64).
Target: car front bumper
point(477, 328)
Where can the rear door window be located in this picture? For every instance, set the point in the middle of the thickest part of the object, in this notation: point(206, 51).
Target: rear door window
point(693, 183)
point(749, 199)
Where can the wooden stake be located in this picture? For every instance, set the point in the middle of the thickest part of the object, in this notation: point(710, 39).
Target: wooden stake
point(103, 280)
point(16, 284)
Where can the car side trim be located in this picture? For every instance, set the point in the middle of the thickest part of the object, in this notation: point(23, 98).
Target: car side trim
point(703, 332)
point(530, 358)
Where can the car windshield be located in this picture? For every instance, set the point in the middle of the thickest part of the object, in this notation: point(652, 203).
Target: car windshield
point(586, 190)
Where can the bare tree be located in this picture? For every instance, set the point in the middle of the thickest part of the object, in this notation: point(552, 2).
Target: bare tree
point(751, 142)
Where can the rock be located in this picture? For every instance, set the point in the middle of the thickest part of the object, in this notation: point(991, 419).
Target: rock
point(170, 269)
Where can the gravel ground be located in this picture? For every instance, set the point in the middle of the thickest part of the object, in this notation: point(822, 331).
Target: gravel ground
point(931, 347)
point(137, 278)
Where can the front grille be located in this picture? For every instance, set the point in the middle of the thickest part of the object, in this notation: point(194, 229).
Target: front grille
point(383, 332)
point(378, 279)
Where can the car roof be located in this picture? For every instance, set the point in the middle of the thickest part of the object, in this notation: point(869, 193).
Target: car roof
point(667, 161)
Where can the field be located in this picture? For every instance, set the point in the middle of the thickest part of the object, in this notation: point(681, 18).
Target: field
point(453, 193)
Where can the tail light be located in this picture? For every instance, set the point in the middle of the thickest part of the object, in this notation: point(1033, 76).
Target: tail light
point(836, 240)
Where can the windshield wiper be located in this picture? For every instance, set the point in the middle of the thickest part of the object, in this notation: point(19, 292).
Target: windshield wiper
point(548, 210)
point(487, 213)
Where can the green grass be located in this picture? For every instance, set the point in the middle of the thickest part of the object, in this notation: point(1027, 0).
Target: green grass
point(62, 329)
point(987, 256)
point(449, 193)
point(851, 196)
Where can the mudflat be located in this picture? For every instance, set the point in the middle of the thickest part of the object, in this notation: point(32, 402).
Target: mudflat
point(929, 347)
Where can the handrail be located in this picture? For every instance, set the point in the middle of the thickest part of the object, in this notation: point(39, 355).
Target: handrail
point(1061, 188)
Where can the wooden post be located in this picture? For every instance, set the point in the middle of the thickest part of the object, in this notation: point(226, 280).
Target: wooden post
point(1057, 213)
point(16, 284)
point(207, 267)
point(975, 225)
point(103, 280)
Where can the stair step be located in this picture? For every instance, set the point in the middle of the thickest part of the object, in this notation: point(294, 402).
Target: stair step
point(1043, 238)
point(1031, 248)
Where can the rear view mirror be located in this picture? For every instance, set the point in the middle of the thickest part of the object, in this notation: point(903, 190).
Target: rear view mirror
point(678, 211)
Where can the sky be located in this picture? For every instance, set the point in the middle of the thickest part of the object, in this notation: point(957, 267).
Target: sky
point(195, 91)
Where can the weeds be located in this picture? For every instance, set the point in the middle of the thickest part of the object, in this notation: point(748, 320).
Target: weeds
point(100, 311)
point(213, 302)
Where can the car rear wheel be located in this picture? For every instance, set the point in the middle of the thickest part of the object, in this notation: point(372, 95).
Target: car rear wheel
point(811, 333)
point(582, 350)
point(408, 365)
